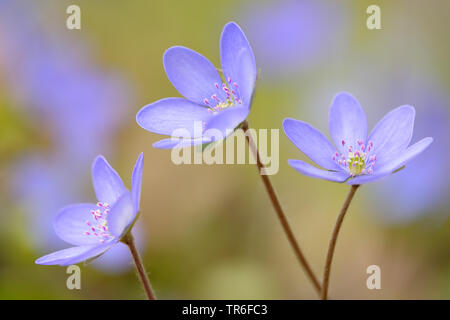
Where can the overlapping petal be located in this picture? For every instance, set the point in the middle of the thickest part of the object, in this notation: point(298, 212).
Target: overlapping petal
point(136, 181)
point(107, 183)
point(311, 142)
point(180, 143)
point(311, 171)
point(70, 224)
point(121, 215)
point(75, 255)
point(225, 122)
point(192, 74)
point(393, 133)
point(396, 163)
point(347, 121)
point(238, 61)
point(171, 116)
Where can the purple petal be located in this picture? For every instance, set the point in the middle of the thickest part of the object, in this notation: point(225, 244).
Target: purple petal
point(238, 61)
point(180, 143)
point(225, 121)
point(74, 255)
point(311, 171)
point(121, 215)
point(311, 142)
point(70, 224)
point(136, 182)
point(385, 170)
point(347, 121)
point(107, 183)
point(192, 74)
point(393, 133)
point(169, 114)
point(118, 259)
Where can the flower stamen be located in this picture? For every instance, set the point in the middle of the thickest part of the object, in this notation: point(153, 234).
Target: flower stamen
point(357, 161)
point(231, 90)
point(100, 227)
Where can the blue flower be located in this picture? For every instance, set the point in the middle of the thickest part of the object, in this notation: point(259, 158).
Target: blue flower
point(95, 228)
point(77, 103)
point(355, 158)
point(424, 193)
point(210, 101)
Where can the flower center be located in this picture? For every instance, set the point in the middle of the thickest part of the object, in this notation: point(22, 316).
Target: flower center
point(359, 160)
point(99, 228)
point(232, 96)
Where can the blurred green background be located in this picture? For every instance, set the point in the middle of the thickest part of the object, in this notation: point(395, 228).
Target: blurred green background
point(210, 232)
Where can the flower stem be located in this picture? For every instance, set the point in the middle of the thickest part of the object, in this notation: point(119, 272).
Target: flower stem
point(279, 211)
point(332, 245)
point(128, 239)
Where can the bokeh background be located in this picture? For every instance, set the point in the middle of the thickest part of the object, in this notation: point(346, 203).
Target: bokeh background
point(209, 232)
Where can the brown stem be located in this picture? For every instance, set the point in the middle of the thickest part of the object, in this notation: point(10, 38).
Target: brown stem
point(332, 246)
point(281, 216)
point(128, 239)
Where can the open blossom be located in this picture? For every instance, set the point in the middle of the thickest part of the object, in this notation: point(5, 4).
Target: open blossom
point(212, 100)
point(95, 228)
point(356, 158)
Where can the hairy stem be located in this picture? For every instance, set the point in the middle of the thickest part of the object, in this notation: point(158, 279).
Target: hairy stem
point(280, 214)
point(128, 239)
point(332, 245)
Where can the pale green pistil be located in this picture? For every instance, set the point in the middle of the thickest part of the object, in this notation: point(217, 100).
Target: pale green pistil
point(359, 160)
point(356, 164)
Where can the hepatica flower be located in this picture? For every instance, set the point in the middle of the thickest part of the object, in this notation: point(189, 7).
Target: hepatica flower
point(95, 228)
point(355, 157)
point(213, 100)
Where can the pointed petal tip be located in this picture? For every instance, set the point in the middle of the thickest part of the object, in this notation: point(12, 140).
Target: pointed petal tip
point(170, 49)
point(288, 121)
point(108, 184)
point(404, 108)
point(345, 98)
point(75, 255)
point(163, 144)
point(139, 116)
point(231, 24)
point(136, 181)
point(98, 158)
point(407, 106)
point(314, 172)
point(344, 94)
point(44, 261)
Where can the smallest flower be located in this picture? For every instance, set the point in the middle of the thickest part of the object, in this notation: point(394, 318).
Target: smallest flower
point(95, 228)
point(355, 158)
